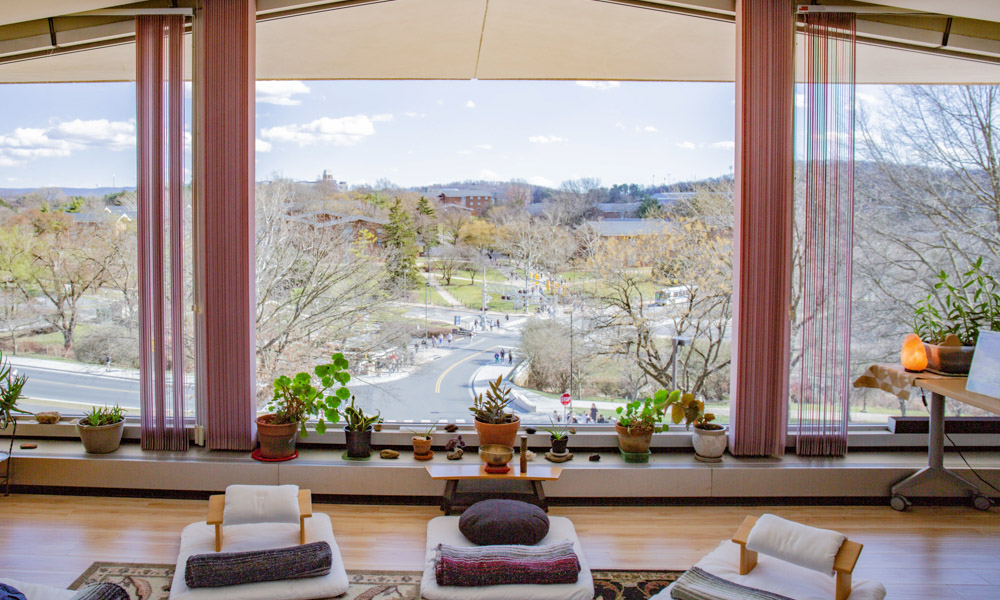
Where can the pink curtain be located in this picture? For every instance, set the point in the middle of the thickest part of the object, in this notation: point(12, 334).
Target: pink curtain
point(160, 116)
point(763, 228)
point(829, 234)
point(224, 167)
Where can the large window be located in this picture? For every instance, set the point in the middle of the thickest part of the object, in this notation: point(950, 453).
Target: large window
point(567, 235)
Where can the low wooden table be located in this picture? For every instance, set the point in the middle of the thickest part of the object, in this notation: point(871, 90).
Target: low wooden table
point(452, 474)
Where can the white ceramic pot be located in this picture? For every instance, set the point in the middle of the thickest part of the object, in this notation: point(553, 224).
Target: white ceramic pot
point(710, 445)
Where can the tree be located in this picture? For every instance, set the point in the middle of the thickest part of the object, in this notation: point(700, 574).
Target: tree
point(479, 234)
point(650, 209)
point(427, 229)
point(451, 220)
point(400, 238)
point(449, 261)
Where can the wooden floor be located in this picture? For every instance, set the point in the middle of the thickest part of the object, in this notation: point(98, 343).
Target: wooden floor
point(927, 552)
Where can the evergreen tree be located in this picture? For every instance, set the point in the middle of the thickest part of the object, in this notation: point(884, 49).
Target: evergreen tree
point(426, 224)
point(650, 209)
point(401, 237)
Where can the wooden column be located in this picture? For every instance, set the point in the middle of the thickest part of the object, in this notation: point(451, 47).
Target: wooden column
point(225, 275)
point(763, 230)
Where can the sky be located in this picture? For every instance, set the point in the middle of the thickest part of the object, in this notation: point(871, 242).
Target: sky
point(410, 132)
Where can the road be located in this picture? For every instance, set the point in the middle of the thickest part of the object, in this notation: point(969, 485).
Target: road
point(62, 387)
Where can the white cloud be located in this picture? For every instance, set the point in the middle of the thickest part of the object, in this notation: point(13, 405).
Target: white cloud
point(470, 104)
point(63, 138)
point(545, 139)
point(725, 145)
point(262, 146)
point(342, 131)
point(686, 145)
point(414, 115)
point(383, 118)
point(599, 85)
point(800, 100)
point(620, 125)
point(869, 99)
point(647, 129)
point(539, 180)
point(487, 174)
point(464, 152)
point(280, 92)
point(483, 147)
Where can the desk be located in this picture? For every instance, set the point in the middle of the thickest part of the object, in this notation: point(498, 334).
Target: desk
point(940, 389)
point(452, 474)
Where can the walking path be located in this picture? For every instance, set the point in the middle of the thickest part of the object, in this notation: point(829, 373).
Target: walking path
point(443, 292)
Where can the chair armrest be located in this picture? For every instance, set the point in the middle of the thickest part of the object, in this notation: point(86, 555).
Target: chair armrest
point(305, 503)
point(216, 508)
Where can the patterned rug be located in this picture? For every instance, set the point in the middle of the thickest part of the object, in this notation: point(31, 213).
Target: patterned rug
point(152, 582)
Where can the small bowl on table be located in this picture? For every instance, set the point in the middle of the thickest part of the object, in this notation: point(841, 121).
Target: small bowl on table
point(496, 457)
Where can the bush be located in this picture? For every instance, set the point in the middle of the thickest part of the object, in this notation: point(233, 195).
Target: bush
point(117, 342)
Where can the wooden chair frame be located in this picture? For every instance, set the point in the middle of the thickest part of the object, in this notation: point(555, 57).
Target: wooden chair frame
point(843, 563)
point(217, 507)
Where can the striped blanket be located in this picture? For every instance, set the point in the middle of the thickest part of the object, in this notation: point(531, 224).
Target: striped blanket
point(504, 565)
point(702, 585)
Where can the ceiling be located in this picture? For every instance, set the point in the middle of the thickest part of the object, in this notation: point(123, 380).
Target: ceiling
point(511, 39)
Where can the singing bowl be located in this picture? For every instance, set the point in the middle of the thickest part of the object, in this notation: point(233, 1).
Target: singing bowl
point(496, 455)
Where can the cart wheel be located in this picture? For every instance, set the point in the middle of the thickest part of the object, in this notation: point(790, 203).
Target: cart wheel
point(981, 502)
point(899, 502)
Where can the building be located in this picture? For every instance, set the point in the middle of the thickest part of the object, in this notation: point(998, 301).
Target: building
point(478, 201)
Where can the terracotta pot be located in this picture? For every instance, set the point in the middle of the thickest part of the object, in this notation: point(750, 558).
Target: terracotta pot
point(709, 444)
point(101, 439)
point(421, 445)
point(359, 443)
point(276, 441)
point(955, 360)
point(635, 441)
point(504, 434)
point(559, 446)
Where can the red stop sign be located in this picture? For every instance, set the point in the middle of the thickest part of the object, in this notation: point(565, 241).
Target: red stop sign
point(565, 399)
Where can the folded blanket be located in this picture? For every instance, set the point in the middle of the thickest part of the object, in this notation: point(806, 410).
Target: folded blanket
point(104, 590)
point(234, 568)
point(505, 565)
point(702, 585)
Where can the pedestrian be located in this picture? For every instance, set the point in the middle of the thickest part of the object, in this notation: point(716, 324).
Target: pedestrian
point(496, 357)
point(506, 317)
point(593, 411)
point(107, 362)
point(600, 419)
point(502, 353)
point(510, 358)
point(449, 340)
point(555, 415)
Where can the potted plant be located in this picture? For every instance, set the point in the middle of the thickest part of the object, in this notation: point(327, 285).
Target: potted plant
point(949, 326)
point(558, 437)
point(638, 421)
point(493, 424)
point(422, 442)
point(358, 430)
point(295, 400)
point(10, 392)
point(709, 439)
point(101, 429)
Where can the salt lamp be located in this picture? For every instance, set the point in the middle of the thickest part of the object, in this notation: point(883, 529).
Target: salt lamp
point(914, 356)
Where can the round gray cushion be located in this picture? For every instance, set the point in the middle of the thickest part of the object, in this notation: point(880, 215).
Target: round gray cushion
point(492, 522)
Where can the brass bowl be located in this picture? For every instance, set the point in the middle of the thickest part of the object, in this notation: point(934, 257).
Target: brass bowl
point(496, 455)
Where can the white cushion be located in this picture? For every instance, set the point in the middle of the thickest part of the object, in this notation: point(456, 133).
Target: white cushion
point(444, 530)
point(261, 504)
point(37, 591)
point(796, 543)
point(779, 577)
point(199, 538)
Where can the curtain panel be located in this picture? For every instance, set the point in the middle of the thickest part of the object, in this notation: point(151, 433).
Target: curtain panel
point(824, 393)
point(160, 228)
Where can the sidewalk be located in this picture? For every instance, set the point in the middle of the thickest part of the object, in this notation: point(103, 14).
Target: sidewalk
point(68, 366)
point(422, 358)
point(442, 292)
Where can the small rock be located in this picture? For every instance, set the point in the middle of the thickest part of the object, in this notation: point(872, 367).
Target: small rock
point(387, 454)
point(455, 442)
point(28, 446)
point(456, 454)
point(451, 428)
point(48, 417)
point(377, 427)
point(529, 456)
point(530, 430)
point(572, 430)
point(595, 458)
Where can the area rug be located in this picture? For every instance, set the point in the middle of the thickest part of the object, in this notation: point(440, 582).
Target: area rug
point(152, 582)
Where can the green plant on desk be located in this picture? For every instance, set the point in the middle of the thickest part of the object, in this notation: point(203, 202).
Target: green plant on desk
point(973, 303)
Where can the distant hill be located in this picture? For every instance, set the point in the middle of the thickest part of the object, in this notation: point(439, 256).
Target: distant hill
point(69, 191)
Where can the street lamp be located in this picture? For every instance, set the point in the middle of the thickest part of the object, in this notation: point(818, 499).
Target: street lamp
point(677, 341)
point(427, 291)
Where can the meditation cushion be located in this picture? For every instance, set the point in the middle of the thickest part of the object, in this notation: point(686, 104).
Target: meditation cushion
point(9, 592)
point(506, 565)
point(101, 591)
point(234, 568)
point(261, 504)
point(494, 522)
